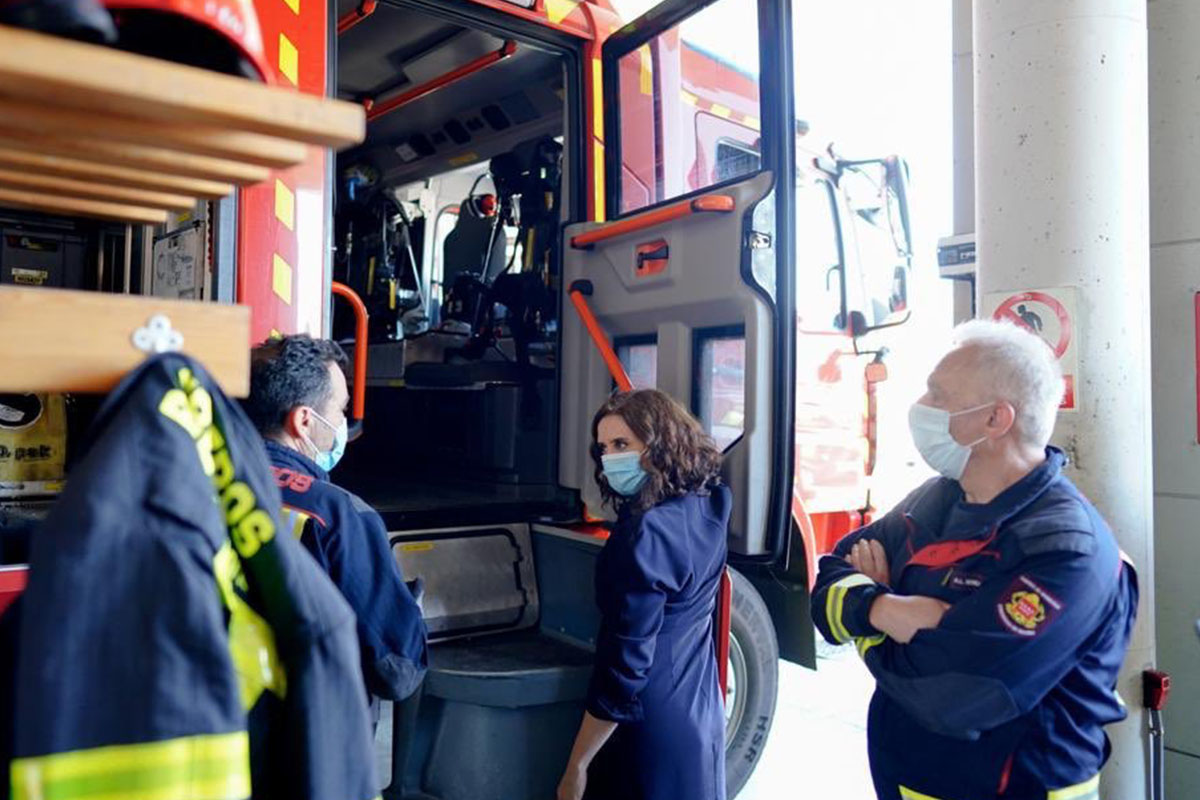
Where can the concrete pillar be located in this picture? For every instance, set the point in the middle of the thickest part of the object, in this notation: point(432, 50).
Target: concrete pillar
point(1061, 200)
point(962, 72)
point(1174, 281)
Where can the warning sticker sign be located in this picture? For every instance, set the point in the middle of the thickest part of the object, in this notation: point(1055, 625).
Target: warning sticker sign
point(1050, 313)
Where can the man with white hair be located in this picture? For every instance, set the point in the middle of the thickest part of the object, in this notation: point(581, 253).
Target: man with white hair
point(992, 606)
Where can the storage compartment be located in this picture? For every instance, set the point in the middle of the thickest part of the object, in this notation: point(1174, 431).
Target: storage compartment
point(475, 581)
point(41, 258)
point(496, 700)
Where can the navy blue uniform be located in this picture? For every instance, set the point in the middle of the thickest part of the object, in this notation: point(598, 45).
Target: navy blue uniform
point(171, 643)
point(1008, 696)
point(656, 668)
point(350, 542)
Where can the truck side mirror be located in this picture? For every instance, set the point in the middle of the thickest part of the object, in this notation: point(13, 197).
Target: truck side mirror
point(858, 324)
point(899, 299)
point(897, 186)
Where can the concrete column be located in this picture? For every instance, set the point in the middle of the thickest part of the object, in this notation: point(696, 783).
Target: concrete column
point(1061, 200)
point(1174, 281)
point(964, 142)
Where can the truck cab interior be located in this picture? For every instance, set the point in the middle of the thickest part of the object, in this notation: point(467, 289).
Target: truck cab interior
point(446, 224)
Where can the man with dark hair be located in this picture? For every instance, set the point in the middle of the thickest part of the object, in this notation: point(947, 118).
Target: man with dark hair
point(298, 399)
point(291, 378)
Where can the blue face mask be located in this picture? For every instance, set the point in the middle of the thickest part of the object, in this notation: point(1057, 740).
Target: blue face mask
point(327, 461)
point(624, 473)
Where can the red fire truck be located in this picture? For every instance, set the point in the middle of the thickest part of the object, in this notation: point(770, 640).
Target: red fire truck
point(549, 199)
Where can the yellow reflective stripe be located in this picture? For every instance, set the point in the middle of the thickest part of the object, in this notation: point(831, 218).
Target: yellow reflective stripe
point(217, 789)
point(835, 600)
point(598, 99)
point(831, 600)
point(865, 643)
point(908, 794)
point(598, 179)
point(294, 520)
point(646, 78)
point(1088, 790)
point(204, 767)
point(251, 641)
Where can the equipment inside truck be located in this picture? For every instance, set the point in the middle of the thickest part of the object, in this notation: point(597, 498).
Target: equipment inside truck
point(446, 225)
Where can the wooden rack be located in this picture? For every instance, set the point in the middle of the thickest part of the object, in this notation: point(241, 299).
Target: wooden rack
point(90, 131)
point(65, 341)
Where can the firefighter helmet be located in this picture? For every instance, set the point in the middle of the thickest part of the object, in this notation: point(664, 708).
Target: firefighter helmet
point(223, 35)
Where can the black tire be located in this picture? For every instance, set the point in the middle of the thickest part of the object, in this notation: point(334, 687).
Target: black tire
point(753, 684)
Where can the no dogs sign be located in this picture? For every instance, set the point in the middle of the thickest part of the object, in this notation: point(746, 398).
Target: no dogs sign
point(1049, 313)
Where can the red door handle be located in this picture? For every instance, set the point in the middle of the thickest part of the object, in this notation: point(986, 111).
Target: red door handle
point(579, 293)
point(358, 392)
point(652, 258)
point(706, 204)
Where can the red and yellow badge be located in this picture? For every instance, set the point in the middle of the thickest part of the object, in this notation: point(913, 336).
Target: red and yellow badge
point(1026, 607)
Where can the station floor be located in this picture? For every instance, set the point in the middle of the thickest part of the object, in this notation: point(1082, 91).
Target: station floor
point(818, 743)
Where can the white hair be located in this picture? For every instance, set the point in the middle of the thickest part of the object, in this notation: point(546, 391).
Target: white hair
point(1021, 369)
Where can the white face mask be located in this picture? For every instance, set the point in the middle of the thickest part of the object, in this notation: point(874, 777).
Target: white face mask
point(341, 433)
point(930, 429)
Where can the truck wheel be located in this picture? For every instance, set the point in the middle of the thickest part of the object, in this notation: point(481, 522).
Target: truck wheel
point(753, 684)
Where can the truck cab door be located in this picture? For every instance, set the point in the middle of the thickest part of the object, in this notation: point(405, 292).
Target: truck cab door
point(692, 271)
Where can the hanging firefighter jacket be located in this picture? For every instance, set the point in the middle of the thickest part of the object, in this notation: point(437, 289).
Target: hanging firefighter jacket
point(172, 645)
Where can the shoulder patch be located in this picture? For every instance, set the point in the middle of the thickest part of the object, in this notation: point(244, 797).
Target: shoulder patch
point(286, 478)
point(1025, 608)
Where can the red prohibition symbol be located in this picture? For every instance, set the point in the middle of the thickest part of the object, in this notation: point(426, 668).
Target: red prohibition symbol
point(1022, 317)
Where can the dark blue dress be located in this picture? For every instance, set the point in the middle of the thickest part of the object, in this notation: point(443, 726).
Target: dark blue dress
point(656, 670)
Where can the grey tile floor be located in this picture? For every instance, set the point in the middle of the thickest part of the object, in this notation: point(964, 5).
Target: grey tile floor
point(818, 743)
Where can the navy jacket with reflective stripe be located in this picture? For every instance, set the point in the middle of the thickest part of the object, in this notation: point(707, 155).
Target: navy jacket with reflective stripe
point(350, 542)
point(166, 605)
point(1013, 688)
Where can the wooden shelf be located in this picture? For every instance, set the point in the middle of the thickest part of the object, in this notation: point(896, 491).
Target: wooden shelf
point(78, 206)
point(90, 190)
point(252, 148)
point(87, 130)
point(54, 340)
point(50, 165)
point(99, 118)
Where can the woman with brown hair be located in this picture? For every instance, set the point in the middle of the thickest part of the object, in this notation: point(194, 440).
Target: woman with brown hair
point(654, 728)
